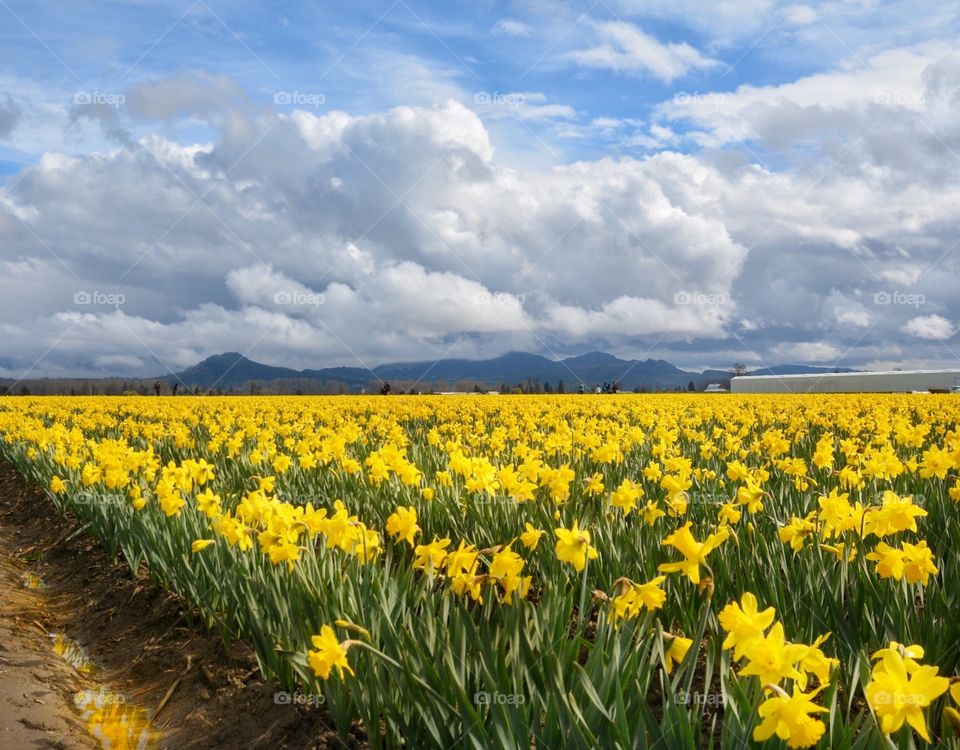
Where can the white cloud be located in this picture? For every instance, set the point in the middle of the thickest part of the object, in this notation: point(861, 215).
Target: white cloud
point(902, 275)
point(856, 318)
point(886, 88)
point(423, 240)
point(511, 27)
point(847, 311)
point(624, 48)
point(638, 316)
point(430, 303)
point(807, 351)
point(778, 31)
point(929, 328)
point(396, 230)
point(521, 105)
point(800, 15)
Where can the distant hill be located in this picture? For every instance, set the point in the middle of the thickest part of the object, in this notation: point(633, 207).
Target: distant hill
point(232, 371)
point(510, 368)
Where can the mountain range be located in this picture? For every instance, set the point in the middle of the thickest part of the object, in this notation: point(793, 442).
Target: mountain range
point(233, 371)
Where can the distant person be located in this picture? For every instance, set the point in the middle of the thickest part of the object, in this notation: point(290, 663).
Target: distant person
point(580, 389)
point(156, 387)
point(176, 387)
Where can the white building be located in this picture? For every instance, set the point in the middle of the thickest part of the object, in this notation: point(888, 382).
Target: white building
point(891, 381)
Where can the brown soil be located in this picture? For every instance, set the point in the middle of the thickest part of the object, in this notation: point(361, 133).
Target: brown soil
point(36, 687)
point(140, 636)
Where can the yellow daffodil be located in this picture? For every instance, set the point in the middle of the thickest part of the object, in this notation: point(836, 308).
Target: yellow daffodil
point(530, 538)
point(898, 693)
point(573, 546)
point(789, 718)
point(328, 653)
point(402, 524)
point(694, 552)
point(744, 624)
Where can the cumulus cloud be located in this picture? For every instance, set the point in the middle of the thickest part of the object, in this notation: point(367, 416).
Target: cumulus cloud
point(522, 105)
point(847, 311)
point(430, 303)
point(393, 234)
point(898, 88)
point(638, 316)
point(930, 328)
point(800, 15)
point(806, 351)
point(511, 27)
point(624, 48)
point(311, 238)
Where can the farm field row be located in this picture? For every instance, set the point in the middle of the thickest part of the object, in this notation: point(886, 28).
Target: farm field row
point(548, 571)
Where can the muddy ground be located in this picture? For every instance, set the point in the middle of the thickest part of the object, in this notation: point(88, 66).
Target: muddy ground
point(141, 638)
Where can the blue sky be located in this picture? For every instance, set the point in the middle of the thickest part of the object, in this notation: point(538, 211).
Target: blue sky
point(592, 167)
point(369, 56)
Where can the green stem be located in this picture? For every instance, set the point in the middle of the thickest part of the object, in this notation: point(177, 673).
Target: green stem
point(583, 594)
point(695, 649)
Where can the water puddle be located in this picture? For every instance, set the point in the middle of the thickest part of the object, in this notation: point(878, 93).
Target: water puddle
point(115, 722)
point(32, 581)
point(72, 653)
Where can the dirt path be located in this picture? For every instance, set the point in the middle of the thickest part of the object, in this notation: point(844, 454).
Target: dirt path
point(36, 686)
point(144, 644)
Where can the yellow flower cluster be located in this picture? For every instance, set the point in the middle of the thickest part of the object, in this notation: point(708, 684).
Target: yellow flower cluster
point(756, 636)
point(504, 502)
